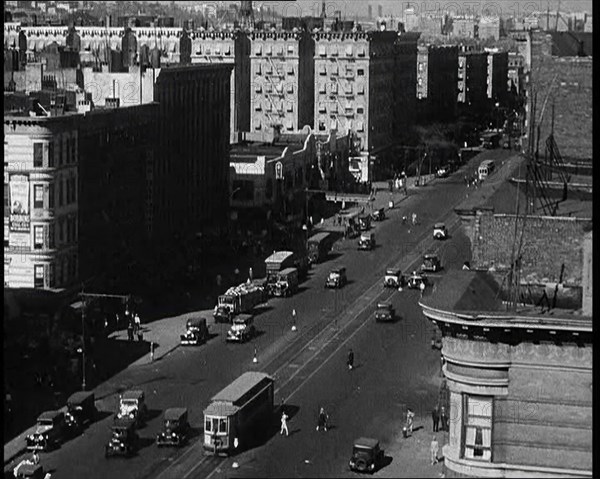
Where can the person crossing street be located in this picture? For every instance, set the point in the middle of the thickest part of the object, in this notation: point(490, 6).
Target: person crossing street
point(284, 418)
point(350, 360)
point(322, 421)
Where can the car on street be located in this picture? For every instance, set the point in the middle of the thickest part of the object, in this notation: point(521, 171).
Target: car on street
point(364, 222)
point(242, 329)
point(366, 241)
point(49, 431)
point(442, 172)
point(384, 312)
point(367, 455)
point(337, 278)
point(28, 470)
point(124, 439)
point(132, 405)
point(196, 332)
point(439, 231)
point(176, 428)
point(81, 411)
point(378, 215)
point(393, 278)
point(431, 263)
point(415, 279)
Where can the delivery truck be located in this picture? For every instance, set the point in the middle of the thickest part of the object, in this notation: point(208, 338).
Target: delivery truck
point(240, 299)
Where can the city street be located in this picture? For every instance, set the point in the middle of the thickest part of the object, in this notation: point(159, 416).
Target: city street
point(396, 367)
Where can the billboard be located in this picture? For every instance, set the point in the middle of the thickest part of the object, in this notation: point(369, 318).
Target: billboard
point(19, 203)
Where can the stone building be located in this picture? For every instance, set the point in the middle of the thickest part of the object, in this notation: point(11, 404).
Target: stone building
point(472, 83)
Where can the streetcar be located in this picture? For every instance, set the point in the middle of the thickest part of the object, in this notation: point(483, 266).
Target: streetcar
point(238, 413)
point(485, 169)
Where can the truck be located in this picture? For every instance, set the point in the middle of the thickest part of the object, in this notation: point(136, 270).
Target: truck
point(287, 282)
point(278, 261)
point(318, 246)
point(237, 300)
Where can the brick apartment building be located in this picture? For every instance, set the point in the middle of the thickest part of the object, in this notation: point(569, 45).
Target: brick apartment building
point(472, 83)
point(437, 67)
point(282, 80)
point(497, 74)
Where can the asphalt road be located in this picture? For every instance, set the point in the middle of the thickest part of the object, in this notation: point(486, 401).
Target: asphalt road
point(395, 366)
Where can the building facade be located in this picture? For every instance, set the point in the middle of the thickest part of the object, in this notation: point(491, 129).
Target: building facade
point(497, 77)
point(282, 80)
point(40, 202)
point(437, 67)
point(472, 82)
point(464, 26)
point(489, 27)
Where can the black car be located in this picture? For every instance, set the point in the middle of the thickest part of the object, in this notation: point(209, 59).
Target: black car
point(124, 439)
point(367, 456)
point(175, 429)
point(81, 411)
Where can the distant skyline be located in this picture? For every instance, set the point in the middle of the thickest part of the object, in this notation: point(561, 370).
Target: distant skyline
point(351, 8)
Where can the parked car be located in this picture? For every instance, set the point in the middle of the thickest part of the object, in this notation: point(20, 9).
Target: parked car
point(439, 231)
point(384, 312)
point(443, 172)
point(431, 262)
point(337, 278)
point(28, 470)
point(378, 215)
point(242, 328)
point(364, 222)
point(393, 278)
point(366, 241)
point(81, 411)
point(414, 280)
point(49, 431)
point(132, 405)
point(196, 332)
point(175, 428)
point(367, 456)
point(124, 439)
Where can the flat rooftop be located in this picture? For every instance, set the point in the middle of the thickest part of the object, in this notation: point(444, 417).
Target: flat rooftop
point(247, 152)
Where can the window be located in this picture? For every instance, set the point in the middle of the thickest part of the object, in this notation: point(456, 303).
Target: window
point(360, 109)
point(207, 425)
point(478, 427)
point(223, 425)
point(51, 235)
point(420, 66)
point(348, 50)
point(322, 70)
point(38, 155)
point(38, 237)
point(258, 69)
point(38, 276)
point(360, 72)
point(38, 196)
point(322, 51)
point(419, 95)
point(51, 154)
point(6, 199)
point(73, 151)
point(321, 87)
point(68, 148)
point(361, 89)
point(51, 275)
point(420, 81)
point(61, 230)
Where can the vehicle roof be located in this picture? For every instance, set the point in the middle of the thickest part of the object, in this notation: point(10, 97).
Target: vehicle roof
point(279, 256)
point(366, 442)
point(220, 409)
point(123, 423)
point(175, 413)
point(338, 269)
point(30, 469)
point(241, 385)
point(49, 415)
point(319, 236)
point(196, 321)
point(393, 270)
point(132, 394)
point(439, 225)
point(80, 396)
point(384, 305)
point(367, 234)
point(287, 270)
point(430, 255)
point(364, 216)
point(242, 319)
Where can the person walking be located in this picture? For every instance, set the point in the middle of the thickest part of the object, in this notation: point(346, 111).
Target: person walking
point(422, 288)
point(414, 218)
point(434, 451)
point(138, 327)
point(444, 418)
point(435, 416)
point(322, 421)
point(284, 418)
point(250, 274)
point(350, 360)
point(409, 420)
point(130, 330)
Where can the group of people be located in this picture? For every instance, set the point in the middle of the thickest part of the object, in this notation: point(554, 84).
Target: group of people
point(134, 326)
point(471, 180)
point(439, 414)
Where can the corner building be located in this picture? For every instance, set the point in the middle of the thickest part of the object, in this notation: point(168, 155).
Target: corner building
point(281, 80)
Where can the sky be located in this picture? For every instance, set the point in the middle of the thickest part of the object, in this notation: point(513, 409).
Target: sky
point(350, 8)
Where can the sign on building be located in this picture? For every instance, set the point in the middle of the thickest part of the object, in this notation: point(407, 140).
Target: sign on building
point(279, 170)
point(19, 203)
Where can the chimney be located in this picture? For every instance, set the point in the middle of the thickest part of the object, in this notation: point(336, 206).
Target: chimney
point(112, 102)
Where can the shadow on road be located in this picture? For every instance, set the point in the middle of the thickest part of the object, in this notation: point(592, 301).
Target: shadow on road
point(385, 462)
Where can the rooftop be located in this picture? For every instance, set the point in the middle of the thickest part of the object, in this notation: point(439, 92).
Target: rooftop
point(247, 152)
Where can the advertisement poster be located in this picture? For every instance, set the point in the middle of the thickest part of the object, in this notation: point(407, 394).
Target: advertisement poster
point(19, 203)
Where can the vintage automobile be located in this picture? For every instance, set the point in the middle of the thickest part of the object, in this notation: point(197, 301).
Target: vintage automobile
point(431, 262)
point(132, 405)
point(337, 278)
point(175, 428)
point(287, 282)
point(443, 172)
point(28, 470)
point(414, 280)
point(439, 231)
point(384, 312)
point(124, 439)
point(366, 241)
point(367, 456)
point(196, 332)
point(378, 215)
point(393, 278)
point(81, 411)
point(364, 222)
point(49, 431)
point(242, 328)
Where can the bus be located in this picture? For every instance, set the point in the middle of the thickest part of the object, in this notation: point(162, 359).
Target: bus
point(485, 169)
point(319, 246)
point(237, 414)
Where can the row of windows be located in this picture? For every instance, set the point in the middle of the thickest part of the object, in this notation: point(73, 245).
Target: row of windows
point(44, 236)
point(67, 194)
point(44, 153)
point(348, 51)
point(335, 107)
point(335, 71)
point(268, 50)
point(350, 124)
point(270, 69)
point(347, 89)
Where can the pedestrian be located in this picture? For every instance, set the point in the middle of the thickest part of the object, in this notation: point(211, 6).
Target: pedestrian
point(137, 323)
point(422, 288)
point(409, 420)
point(350, 361)
point(322, 421)
point(250, 274)
point(435, 416)
point(130, 330)
point(284, 418)
point(434, 451)
point(404, 219)
point(35, 458)
point(219, 280)
point(444, 418)
point(414, 218)
point(236, 274)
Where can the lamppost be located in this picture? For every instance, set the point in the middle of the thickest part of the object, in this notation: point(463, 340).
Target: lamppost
point(82, 349)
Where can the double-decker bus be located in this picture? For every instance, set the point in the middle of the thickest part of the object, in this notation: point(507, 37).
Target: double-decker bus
point(236, 415)
point(485, 169)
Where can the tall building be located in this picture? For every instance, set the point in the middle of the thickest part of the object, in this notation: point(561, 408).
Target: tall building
point(497, 76)
point(472, 82)
point(282, 80)
point(464, 26)
point(354, 86)
point(404, 84)
point(437, 67)
point(233, 48)
point(489, 27)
